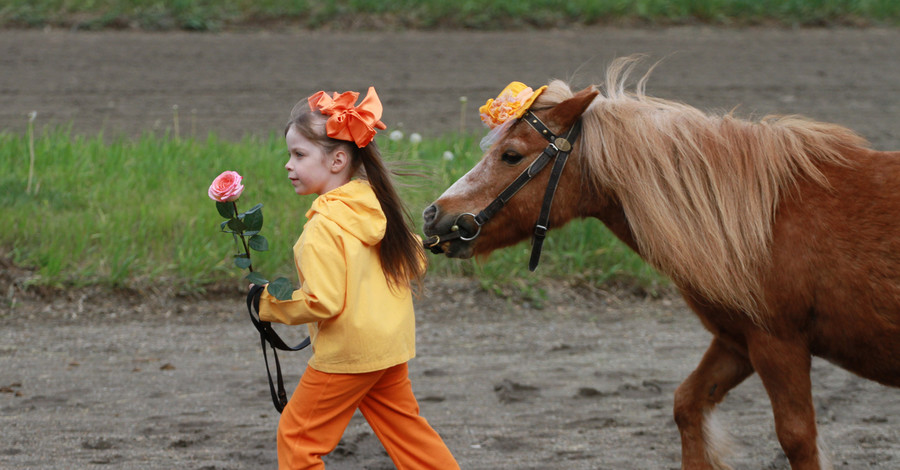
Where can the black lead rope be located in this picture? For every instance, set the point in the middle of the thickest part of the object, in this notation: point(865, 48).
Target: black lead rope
point(268, 335)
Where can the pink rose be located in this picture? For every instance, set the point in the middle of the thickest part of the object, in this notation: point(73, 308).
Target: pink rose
point(226, 187)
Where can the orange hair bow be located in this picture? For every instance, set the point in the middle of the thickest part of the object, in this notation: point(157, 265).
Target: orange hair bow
point(348, 122)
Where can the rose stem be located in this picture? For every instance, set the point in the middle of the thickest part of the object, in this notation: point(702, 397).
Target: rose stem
point(246, 247)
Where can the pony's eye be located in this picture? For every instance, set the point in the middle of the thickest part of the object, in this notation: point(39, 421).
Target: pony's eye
point(511, 157)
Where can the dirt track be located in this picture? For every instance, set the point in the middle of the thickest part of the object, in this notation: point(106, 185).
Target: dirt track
point(93, 382)
point(236, 84)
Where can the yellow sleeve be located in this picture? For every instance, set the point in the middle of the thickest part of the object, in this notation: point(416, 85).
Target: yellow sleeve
point(322, 269)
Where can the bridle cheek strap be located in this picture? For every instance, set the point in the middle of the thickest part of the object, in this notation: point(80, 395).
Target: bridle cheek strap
point(562, 146)
point(536, 166)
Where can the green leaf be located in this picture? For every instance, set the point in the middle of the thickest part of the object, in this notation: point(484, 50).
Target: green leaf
point(223, 225)
point(237, 225)
point(242, 261)
point(226, 209)
point(258, 243)
point(257, 278)
point(281, 288)
point(250, 233)
point(253, 218)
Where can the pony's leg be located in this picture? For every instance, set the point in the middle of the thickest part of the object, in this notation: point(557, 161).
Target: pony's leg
point(783, 366)
point(721, 369)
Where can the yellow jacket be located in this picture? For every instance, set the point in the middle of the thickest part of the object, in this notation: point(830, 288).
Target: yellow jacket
point(356, 322)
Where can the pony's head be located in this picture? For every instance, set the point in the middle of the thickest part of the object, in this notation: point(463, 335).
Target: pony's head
point(517, 145)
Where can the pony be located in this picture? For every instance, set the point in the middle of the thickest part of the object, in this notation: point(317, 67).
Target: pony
point(782, 234)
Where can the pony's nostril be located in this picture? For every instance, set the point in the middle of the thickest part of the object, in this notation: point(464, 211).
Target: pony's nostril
point(430, 214)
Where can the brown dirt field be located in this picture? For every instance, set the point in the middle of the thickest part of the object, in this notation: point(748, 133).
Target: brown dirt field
point(93, 380)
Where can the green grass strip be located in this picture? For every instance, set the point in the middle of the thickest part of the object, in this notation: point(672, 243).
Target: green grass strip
point(128, 212)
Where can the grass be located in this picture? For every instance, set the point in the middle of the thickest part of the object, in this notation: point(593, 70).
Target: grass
point(130, 212)
point(211, 15)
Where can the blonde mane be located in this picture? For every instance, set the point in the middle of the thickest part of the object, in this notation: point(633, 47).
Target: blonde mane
point(700, 191)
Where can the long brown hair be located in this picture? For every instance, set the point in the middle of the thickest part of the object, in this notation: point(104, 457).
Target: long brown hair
point(402, 256)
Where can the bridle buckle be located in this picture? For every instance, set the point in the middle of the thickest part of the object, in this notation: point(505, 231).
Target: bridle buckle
point(561, 144)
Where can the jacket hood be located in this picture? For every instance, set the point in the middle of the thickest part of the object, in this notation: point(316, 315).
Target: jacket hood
point(355, 209)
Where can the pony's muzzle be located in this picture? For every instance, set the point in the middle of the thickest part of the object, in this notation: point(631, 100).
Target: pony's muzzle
point(449, 233)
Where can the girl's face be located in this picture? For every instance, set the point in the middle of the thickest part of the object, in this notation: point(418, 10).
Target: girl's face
point(310, 169)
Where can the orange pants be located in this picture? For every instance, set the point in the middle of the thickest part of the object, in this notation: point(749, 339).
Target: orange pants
point(320, 409)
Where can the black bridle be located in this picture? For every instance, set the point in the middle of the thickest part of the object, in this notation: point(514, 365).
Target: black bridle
point(559, 148)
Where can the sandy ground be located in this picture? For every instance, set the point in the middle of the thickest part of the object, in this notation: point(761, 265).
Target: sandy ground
point(92, 380)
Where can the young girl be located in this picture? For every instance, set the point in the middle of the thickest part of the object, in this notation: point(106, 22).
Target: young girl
point(356, 259)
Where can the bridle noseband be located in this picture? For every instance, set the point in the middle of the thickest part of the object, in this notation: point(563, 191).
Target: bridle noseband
point(559, 148)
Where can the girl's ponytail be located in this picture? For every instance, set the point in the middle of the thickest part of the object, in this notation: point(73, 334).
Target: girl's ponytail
point(402, 256)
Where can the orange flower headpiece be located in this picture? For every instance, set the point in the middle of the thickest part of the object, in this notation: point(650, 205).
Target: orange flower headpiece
point(511, 104)
point(346, 121)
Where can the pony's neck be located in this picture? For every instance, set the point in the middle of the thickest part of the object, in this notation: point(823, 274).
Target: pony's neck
point(613, 216)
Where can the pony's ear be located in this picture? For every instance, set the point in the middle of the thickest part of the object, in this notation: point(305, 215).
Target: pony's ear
point(565, 113)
